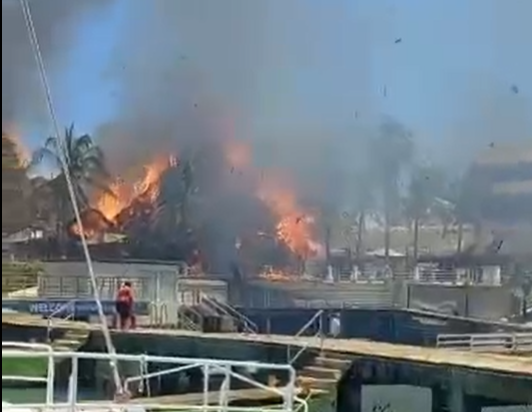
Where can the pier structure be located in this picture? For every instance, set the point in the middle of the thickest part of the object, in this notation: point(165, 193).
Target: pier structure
point(458, 380)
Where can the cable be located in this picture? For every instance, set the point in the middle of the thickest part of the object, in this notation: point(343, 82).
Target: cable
point(62, 156)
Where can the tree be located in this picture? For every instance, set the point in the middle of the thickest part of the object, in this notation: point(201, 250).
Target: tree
point(16, 189)
point(391, 152)
point(85, 163)
point(426, 184)
point(462, 204)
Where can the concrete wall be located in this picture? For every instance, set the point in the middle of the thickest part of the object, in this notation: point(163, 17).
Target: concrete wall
point(483, 302)
point(455, 389)
point(386, 325)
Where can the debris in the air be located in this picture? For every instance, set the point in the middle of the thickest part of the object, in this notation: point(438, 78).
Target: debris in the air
point(492, 145)
point(398, 40)
point(515, 89)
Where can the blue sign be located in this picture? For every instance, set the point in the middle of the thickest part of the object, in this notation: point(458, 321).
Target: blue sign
point(60, 307)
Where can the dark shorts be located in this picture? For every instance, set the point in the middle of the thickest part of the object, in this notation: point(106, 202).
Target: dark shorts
point(123, 309)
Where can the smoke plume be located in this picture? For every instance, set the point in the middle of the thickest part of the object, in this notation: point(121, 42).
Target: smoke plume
point(56, 22)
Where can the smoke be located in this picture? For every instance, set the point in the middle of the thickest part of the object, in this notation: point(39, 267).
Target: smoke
point(195, 73)
point(494, 106)
point(56, 22)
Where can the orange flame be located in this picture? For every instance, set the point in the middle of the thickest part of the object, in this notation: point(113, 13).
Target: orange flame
point(123, 193)
point(294, 226)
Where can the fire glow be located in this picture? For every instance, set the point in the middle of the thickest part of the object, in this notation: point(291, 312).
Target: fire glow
point(295, 227)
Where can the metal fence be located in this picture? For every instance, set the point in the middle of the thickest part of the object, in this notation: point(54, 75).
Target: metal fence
point(488, 342)
point(213, 396)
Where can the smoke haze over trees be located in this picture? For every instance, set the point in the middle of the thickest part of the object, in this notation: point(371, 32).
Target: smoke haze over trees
point(307, 86)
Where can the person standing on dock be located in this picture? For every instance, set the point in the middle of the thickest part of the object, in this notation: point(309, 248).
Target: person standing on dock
point(124, 306)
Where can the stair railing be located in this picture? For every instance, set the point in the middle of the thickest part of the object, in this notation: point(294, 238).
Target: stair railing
point(248, 326)
point(69, 308)
point(316, 319)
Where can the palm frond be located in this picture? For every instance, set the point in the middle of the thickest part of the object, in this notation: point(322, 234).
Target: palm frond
point(83, 144)
point(45, 154)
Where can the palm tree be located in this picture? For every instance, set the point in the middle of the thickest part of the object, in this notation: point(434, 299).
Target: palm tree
point(85, 163)
point(391, 152)
point(426, 184)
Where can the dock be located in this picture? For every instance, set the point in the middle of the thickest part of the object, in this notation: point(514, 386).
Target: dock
point(495, 362)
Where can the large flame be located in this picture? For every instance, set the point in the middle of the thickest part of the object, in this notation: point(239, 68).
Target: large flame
point(122, 193)
point(295, 226)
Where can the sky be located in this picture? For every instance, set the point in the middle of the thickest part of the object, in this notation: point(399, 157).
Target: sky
point(426, 58)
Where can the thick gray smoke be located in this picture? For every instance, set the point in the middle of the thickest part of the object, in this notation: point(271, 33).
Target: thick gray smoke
point(185, 67)
point(194, 75)
point(56, 22)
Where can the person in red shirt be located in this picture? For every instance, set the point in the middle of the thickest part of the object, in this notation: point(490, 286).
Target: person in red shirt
point(124, 306)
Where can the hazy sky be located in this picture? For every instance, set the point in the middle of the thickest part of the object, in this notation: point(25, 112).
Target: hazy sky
point(426, 62)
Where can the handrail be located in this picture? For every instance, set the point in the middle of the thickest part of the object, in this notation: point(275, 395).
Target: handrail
point(508, 342)
point(71, 304)
point(208, 368)
point(24, 348)
point(318, 317)
point(248, 325)
point(159, 317)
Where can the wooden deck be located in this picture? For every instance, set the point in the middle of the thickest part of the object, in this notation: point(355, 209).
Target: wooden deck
point(511, 364)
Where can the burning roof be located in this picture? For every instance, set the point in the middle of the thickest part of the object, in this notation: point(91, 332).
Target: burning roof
point(136, 206)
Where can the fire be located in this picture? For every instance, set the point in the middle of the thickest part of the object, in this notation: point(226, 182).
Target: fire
point(109, 205)
point(294, 226)
point(278, 275)
point(124, 193)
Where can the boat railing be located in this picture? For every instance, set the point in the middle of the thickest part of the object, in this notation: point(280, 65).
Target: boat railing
point(23, 349)
point(233, 372)
point(315, 322)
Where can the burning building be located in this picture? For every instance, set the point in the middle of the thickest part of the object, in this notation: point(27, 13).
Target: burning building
point(183, 210)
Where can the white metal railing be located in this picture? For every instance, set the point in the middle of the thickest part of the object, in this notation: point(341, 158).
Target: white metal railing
point(248, 326)
point(23, 349)
point(158, 317)
point(507, 342)
point(68, 310)
point(209, 367)
point(316, 319)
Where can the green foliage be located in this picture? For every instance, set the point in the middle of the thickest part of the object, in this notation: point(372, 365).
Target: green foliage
point(86, 167)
